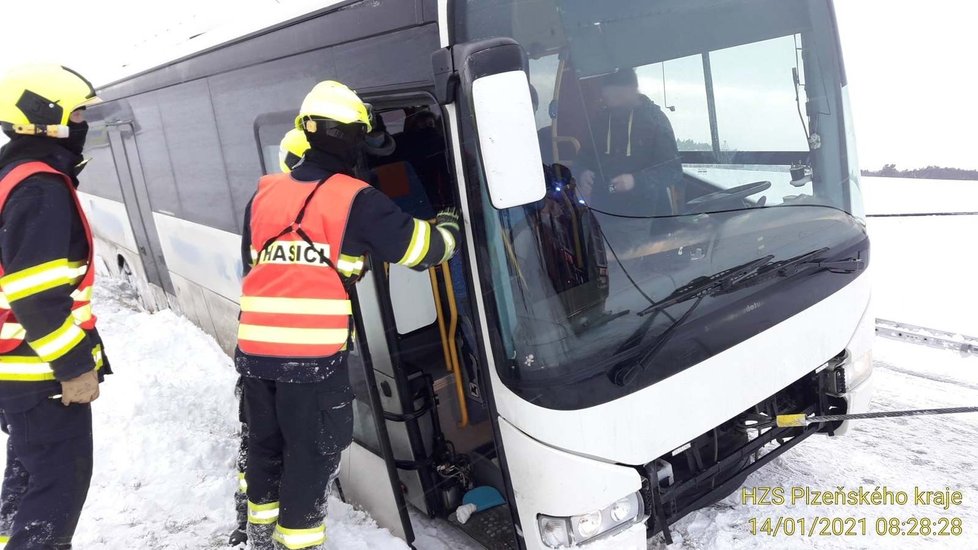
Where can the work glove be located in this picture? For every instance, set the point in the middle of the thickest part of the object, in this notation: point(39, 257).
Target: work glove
point(81, 389)
point(449, 219)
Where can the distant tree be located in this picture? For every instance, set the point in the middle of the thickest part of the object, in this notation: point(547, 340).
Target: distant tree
point(693, 145)
point(930, 172)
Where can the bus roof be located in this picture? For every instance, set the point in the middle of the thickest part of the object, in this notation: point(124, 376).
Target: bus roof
point(164, 52)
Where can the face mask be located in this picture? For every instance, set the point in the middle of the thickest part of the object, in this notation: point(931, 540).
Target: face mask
point(77, 133)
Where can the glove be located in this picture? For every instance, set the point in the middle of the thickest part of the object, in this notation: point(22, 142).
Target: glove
point(449, 219)
point(81, 389)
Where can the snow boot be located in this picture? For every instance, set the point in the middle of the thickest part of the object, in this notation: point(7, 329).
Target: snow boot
point(238, 537)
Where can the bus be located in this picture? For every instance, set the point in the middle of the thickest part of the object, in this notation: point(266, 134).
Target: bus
point(609, 360)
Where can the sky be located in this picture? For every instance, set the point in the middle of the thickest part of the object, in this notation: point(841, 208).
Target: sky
point(910, 63)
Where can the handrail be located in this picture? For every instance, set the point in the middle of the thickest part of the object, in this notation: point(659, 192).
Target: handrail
point(463, 407)
point(432, 271)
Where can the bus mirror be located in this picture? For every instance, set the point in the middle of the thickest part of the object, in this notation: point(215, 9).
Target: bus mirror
point(508, 139)
point(491, 73)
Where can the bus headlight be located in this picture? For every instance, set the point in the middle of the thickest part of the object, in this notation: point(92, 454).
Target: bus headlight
point(573, 530)
point(858, 370)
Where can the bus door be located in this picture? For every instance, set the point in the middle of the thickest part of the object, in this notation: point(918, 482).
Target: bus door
point(418, 330)
point(138, 207)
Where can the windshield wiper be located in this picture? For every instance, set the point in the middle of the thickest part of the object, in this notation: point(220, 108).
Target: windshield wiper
point(730, 280)
point(703, 286)
point(697, 289)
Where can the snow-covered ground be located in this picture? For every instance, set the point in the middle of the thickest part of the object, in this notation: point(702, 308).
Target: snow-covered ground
point(166, 421)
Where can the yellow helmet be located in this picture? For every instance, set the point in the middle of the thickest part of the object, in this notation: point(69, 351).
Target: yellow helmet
point(290, 151)
point(39, 99)
point(334, 101)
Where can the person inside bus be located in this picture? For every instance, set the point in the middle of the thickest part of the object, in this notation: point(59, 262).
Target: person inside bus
point(422, 144)
point(632, 167)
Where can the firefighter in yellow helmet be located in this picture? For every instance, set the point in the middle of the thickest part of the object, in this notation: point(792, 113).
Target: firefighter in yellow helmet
point(51, 359)
point(306, 234)
point(293, 145)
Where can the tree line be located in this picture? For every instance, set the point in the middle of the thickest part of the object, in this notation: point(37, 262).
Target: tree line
point(930, 172)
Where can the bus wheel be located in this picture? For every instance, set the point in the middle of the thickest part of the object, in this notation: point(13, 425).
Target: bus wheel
point(126, 273)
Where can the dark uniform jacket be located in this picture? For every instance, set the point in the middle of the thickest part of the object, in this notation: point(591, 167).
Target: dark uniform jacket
point(648, 152)
point(39, 224)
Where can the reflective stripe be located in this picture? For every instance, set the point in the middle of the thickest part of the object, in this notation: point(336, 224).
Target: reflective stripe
point(82, 294)
point(449, 243)
point(4, 539)
point(262, 514)
point(286, 335)
point(77, 270)
point(58, 342)
point(36, 279)
point(295, 539)
point(33, 369)
point(296, 306)
point(242, 484)
point(12, 331)
point(82, 314)
point(349, 265)
point(420, 241)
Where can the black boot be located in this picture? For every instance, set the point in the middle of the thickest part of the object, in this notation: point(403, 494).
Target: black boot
point(239, 537)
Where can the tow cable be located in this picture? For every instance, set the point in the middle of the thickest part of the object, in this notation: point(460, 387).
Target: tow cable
point(801, 420)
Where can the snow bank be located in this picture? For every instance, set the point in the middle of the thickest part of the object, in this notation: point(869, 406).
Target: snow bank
point(166, 440)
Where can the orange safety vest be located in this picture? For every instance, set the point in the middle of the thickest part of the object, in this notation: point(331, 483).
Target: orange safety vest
point(80, 274)
point(294, 302)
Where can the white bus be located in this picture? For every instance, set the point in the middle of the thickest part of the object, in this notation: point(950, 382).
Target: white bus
point(608, 364)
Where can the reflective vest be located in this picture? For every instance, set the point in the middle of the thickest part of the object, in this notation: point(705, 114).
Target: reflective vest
point(294, 302)
point(38, 278)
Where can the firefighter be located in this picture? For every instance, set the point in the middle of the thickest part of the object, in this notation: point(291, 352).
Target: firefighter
point(51, 360)
point(306, 234)
point(294, 144)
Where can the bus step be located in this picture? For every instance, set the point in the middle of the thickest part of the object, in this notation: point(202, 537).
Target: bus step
point(491, 528)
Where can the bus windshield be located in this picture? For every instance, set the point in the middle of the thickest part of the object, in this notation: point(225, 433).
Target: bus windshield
point(700, 178)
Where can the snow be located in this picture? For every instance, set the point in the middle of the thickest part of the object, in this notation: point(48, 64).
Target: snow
point(166, 423)
point(166, 440)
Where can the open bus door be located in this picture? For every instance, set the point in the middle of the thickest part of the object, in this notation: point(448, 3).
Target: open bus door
point(368, 474)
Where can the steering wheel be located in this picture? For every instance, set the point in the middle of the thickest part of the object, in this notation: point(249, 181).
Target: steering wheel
point(727, 196)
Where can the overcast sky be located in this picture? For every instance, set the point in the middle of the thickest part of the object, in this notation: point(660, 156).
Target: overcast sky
point(911, 63)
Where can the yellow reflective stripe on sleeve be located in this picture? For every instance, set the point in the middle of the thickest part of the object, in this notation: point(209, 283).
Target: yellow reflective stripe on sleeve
point(4, 539)
point(285, 335)
point(296, 306)
point(16, 368)
point(449, 244)
point(262, 514)
point(77, 270)
point(420, 241)
point(296, 539)
point(349, 265)
point(36, 279)
point(242, 484)
point(58, 342)
point(12, 331)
